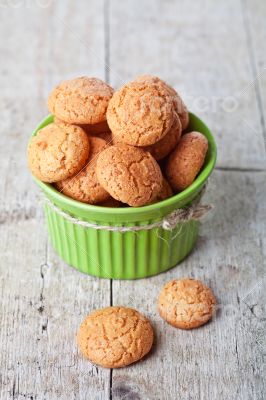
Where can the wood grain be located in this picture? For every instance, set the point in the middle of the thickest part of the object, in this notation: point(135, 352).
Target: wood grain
point(254, 18)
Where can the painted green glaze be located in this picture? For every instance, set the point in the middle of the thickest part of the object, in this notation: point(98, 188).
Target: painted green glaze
point(128, 255)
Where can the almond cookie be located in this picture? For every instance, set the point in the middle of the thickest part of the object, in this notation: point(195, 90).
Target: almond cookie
point(161, 149)
point(179, 105)
point(186, 303)
point(95, 129)
point(107, 136)
point(185, 162)
point(80, 101)
point(140, 113)
point(130, 174)
point(165, 192)
point(115, 337)
point(84, 186)
point(111, 202)
point(100, 130)
point(58, 151)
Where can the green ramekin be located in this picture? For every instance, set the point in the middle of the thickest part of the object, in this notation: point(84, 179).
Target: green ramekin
point(125, 255)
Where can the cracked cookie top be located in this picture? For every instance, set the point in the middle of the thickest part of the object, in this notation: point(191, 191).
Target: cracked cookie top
point(140, 113)
point(186, 303)
point(114, 337)
point(130, 174)
point(80, 101)
point(179, 105)
point(84, 186)
point(58, 151)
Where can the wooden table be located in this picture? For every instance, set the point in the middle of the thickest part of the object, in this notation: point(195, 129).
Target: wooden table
point(214, 53)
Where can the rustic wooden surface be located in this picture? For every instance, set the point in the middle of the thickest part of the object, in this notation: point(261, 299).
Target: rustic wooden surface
point(214, 53)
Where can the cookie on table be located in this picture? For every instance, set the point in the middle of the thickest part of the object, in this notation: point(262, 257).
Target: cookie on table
point(185, 162)
point(115, 337)
point(84, 186)
point(58, 151)
point(186, 303)
point(179, 105)
point(161, 149)
point(130, 174)
point(140, 113)
point(80, 101)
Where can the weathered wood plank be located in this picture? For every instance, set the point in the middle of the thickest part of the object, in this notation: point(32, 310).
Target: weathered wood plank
point(43, 301)
point(199, 47)
point(254, 19)
point(224, 359)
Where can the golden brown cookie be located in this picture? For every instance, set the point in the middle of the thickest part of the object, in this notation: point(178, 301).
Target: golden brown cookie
point(80, 101)
point(130, 174)
point(115, 337)
point(107, 136)
point(186, 303)
point(84, 186)
point(180, 108)
point(165, 192)
point(185, 162)
point(58, 151)
point(161, 149)
point(179, 105)
point(140, 113)
point(111, 202)
point(95, 129)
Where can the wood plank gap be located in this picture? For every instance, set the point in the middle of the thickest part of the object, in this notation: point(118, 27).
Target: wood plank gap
point(236, 169)
point(111, 385)
point(111, 292)
point(45, 264)
point(253, 65)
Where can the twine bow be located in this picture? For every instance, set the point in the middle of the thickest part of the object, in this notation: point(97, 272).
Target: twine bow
point(195, 211)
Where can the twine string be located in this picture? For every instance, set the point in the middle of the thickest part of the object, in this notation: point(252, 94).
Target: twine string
point(195, 211)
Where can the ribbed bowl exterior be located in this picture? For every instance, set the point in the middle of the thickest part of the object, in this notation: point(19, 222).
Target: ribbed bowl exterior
point(120, 255)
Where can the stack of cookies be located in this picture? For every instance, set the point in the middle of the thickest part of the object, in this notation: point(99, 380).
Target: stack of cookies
point(117, 148)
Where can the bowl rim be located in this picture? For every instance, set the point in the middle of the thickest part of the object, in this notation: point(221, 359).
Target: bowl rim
point(123, 211)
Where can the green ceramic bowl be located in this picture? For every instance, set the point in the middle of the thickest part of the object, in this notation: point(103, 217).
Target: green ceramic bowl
point(124, 255)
